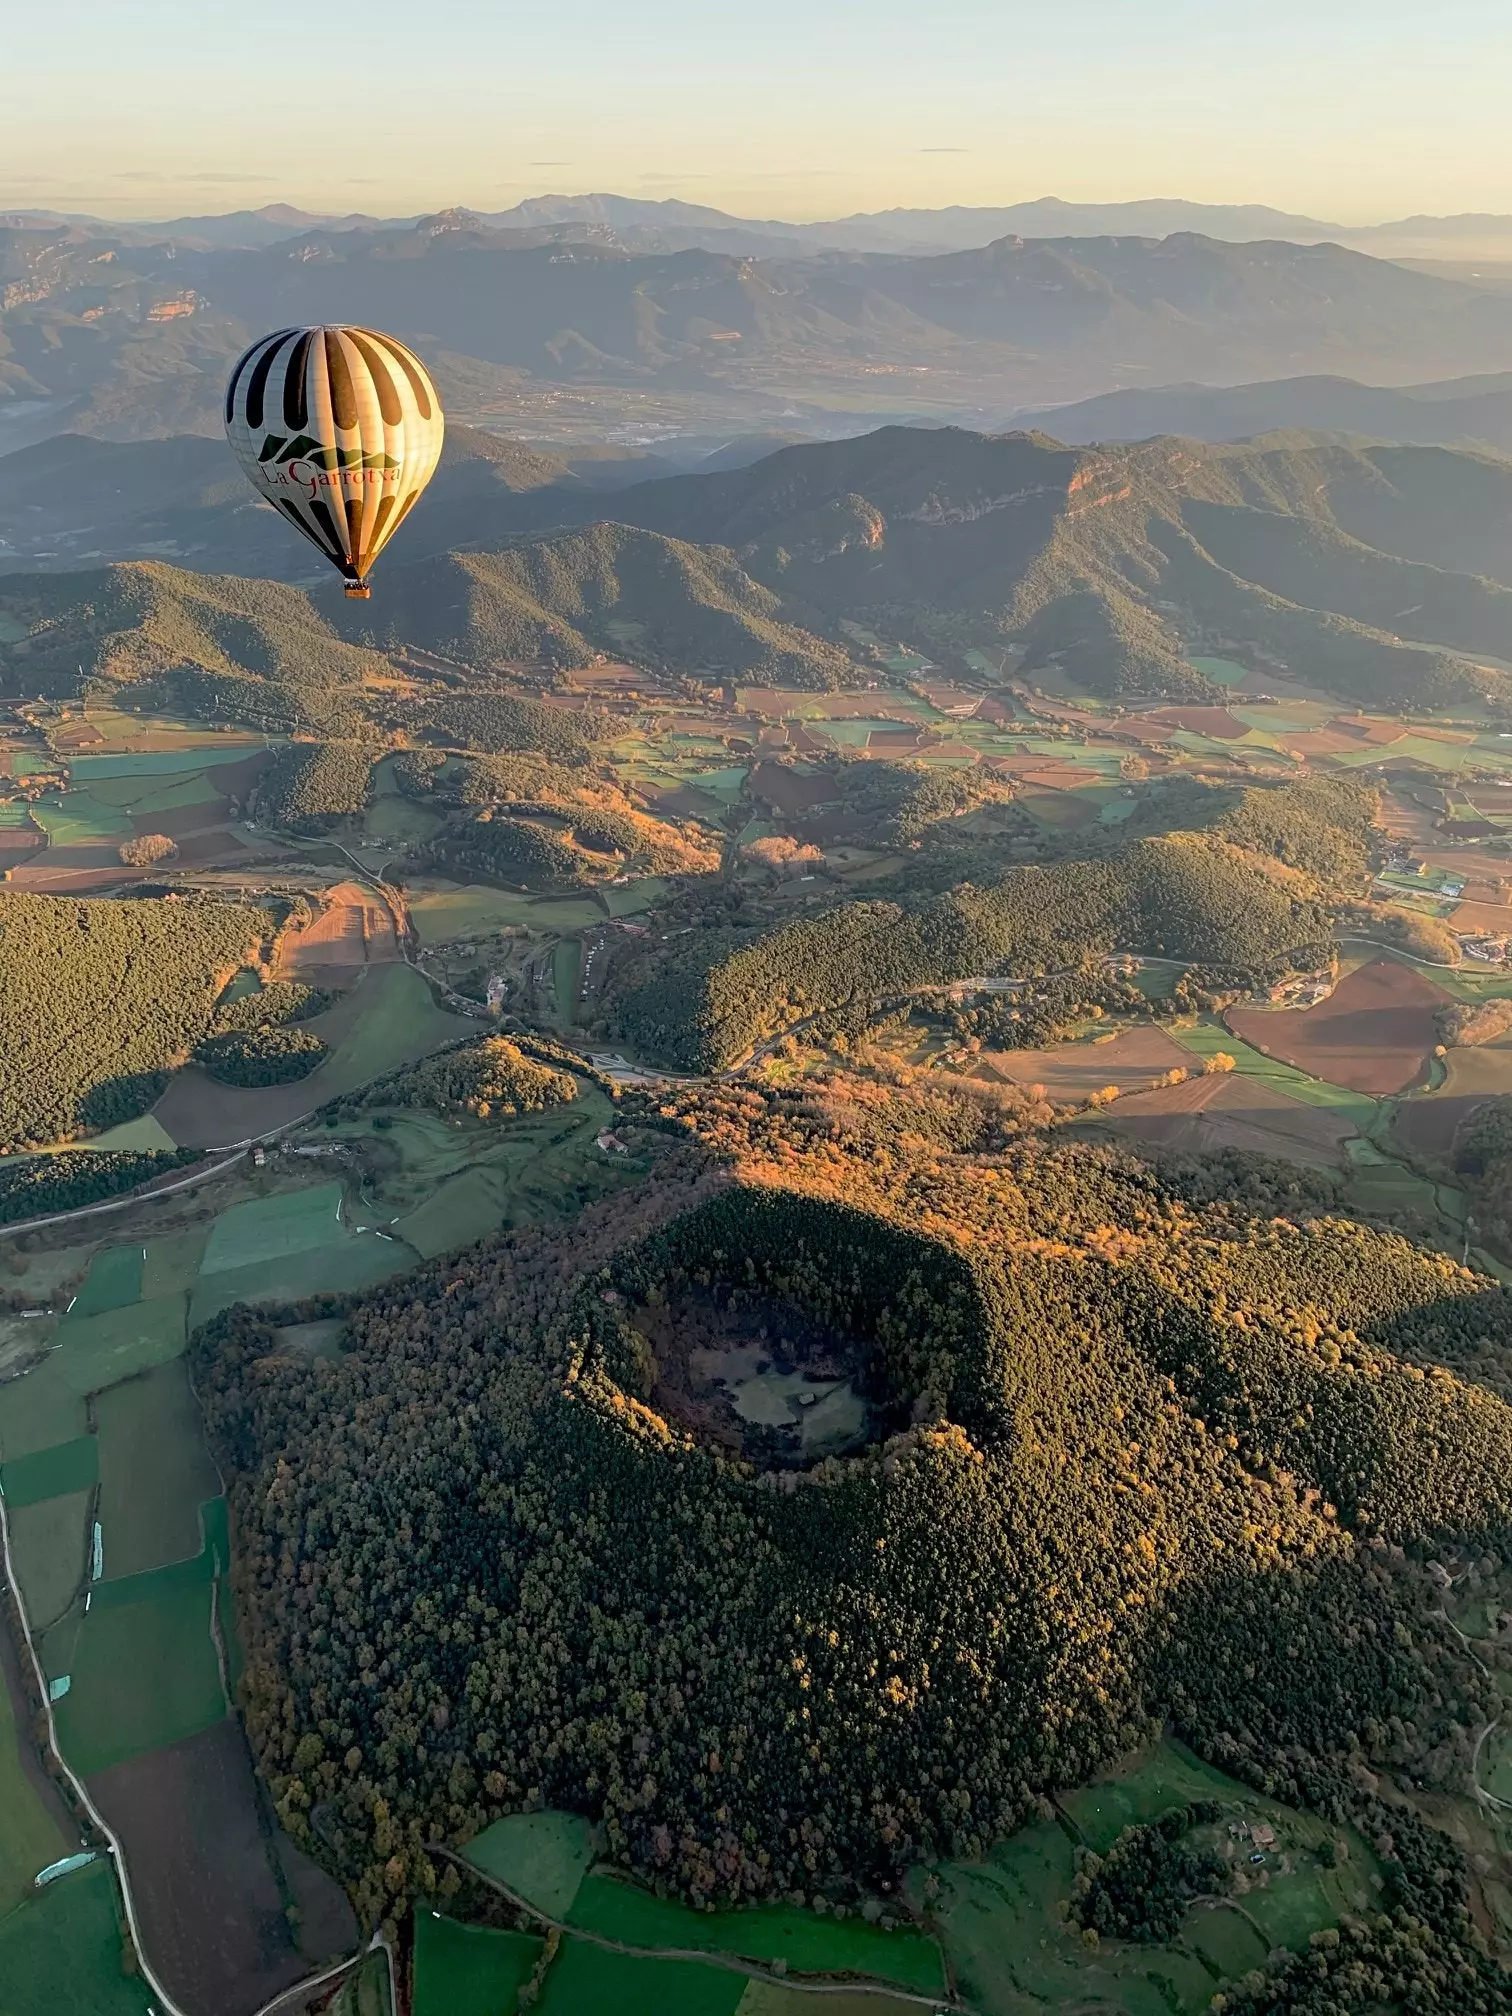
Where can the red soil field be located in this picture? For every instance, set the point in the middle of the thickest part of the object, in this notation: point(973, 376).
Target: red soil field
point(1214, 721)
point(211, 1911)
point(1231, 1111)
point(1373, 1034)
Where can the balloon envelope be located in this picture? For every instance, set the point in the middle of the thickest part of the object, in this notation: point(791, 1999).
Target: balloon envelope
point(340, 429)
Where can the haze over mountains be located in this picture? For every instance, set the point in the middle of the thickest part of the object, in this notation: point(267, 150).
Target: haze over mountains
point(669, 225)
point(1473, 412)
point(113, 333)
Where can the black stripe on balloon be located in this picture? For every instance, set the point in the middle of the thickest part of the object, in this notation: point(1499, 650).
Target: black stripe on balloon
point(380, 521)
point(343, 391)
point(297, 518)
point(296, 396)
point(389, 403)
point(320, 511)
point(406, 364)
point(257, 384)
point(241, 365)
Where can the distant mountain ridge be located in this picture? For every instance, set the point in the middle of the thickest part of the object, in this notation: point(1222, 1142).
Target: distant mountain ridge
point(131, 341)
point(670, 224)
point(1473, 412)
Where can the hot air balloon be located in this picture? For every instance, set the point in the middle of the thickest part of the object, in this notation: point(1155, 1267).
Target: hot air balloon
point(340, 429)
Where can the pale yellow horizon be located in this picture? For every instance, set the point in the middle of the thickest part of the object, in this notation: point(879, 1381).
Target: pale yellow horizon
point(1347, 111)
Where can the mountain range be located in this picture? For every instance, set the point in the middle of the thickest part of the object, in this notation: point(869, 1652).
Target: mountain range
point(132, 340)
point(1383, 575)
point(671, 225)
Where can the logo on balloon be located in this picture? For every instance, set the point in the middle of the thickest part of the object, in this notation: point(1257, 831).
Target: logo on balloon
point(310, 465)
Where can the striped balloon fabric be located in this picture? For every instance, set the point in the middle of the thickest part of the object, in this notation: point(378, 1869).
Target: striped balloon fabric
point(341, 430)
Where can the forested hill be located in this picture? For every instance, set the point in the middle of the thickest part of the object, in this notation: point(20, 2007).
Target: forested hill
point(1381, 574)
point(100, 1001)
point(1341, 564)
point(1137, 1462)
point(1194, 897)
point(283, 657)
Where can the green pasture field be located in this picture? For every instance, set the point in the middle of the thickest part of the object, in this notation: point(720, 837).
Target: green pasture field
point(727, 785)
point(1221, 671)
point(628, 899)
point(356, 1262)
point(211, 1555)
point(468, 912)
point(1207, 1039)
point(143, 1133)
point(177, 796)
point(49, 1551)
point(566, 977)
point(95, 1351)
point(543, 1857)
point(50, 1473)
point(271, 1228)
point(145, 795)
point(38, 1411)
point(810, 1944)
point(155, 1471)
point(1378, 1184)
point(584, 1978)
point(1061, 811)
point(60, 1952)
point(1227, 1938)
point(144, 1675)
point(1167, 1776)
point(15, 818)
point(397, 1022)
point(469, 1970)
point(466, 1208)
point(77, 820)
point(162, 762)
point(114, 1281)
point(470, 1181)
point(173, 1263)
point(30, 1837)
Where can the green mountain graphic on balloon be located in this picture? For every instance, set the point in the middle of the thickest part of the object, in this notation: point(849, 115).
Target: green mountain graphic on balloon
point(304, 448)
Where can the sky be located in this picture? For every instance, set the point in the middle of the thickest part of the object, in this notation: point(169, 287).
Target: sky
point(1354, 111)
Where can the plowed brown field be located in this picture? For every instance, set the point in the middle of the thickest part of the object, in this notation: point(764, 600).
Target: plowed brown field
point(212, 1915)
point(1231, 1111)
point(1374, 1033)
point(1074, 1071)
point(354, 928)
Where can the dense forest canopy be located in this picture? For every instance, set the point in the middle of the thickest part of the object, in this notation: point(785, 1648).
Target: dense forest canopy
point(1192, 897)
point(102, 1000)
point(1142, 1460)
